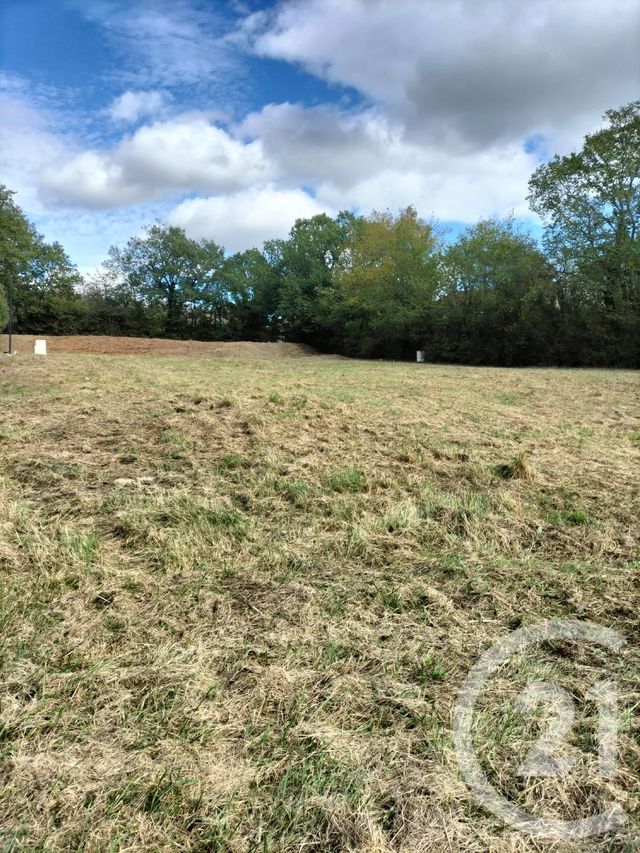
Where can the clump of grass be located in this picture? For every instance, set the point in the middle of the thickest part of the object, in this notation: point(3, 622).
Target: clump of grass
point(571, 518)
point(456, 512)
point(509, 399)
point(298, 403)
point(82, 547)
point(231, 462)
point(334, 652)
point(172, 437)
point(347, 480)
point(403, 516)
point(297, 492)
point(428, 670)
point(518, 469)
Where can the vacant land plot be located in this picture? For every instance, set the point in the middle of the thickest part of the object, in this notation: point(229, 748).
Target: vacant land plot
point(239, 598)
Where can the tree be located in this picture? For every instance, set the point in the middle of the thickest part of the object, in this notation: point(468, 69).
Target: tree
point(16, 246)
point(303, 266)
point(46, 298)
point(166, 268)
point(40, 276)
point(495, 304)
point(590, 202)
point(247, 278)
point(387, 277)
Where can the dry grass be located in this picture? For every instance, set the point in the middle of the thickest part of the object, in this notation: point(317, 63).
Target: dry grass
point(238, 598)
point(111, 345)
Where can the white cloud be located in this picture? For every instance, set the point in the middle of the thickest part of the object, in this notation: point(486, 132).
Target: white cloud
point(26, 142)
point(132, 106)
point(467, 72)
point(363, 160)
point(185, 154)
point(307, 144)
point(246, 219)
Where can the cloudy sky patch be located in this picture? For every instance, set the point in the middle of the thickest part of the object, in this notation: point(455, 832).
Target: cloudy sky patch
point(231, 119)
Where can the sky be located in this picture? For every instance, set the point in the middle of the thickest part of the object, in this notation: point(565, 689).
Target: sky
point(232, 119)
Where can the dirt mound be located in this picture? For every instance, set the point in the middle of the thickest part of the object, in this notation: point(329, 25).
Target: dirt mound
point(104, 344)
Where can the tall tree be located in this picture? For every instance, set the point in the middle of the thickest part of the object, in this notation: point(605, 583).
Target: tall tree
point(495, 305)
point(387, 277)
point(304, 265)
point(247, 277)
point(16, 247)
point(46, 297)
point(41, 278)
point(590, 201)
point(165, 267)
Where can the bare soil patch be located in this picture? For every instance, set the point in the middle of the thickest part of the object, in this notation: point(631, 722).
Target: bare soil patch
point(107, 345)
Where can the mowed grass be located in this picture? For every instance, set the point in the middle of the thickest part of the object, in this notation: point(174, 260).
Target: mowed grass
point(238, 599)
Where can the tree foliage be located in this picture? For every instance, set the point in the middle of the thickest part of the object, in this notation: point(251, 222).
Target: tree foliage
point(42, 279)
point(387, 276)
point(4, 308)
point(166, 269)
point(495, 306)
point(590, 201)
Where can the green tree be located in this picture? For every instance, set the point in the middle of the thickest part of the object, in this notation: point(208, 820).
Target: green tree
point(247, 277)
point(166, 268)
point(16, 246)
point(387, 277)
point(590, 201)
point(303, 281)
point(495, 305)
point(40, 276)
point(46, 298)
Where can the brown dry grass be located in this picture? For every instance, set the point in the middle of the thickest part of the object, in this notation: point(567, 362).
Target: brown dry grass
point(238, 598)
point(106, 345)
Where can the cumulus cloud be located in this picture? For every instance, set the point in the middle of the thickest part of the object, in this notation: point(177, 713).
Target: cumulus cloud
point(361, 159)
point(26, 142)
point(132, 106)
point(182, 154)
point(245, 219)
point(308, 144)
point(466, 72)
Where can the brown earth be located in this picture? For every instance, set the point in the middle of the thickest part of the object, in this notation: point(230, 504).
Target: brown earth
point(107, 345)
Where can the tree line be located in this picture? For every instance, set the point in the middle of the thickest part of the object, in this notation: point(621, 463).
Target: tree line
point(378, 286)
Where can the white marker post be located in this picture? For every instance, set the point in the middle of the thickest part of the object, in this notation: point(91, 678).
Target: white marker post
point(40, 347)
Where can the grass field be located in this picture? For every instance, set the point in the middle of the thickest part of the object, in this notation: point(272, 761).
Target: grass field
point(239, 597)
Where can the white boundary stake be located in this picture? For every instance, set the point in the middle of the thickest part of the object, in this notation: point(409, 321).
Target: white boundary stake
point(40, 347)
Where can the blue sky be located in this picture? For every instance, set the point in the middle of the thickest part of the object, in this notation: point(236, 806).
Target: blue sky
point(233, 118)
